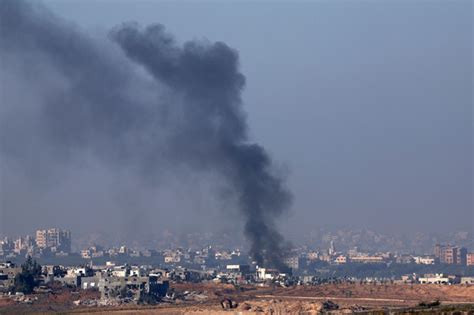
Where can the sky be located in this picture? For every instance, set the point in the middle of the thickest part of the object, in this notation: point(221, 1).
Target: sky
point(365, 106)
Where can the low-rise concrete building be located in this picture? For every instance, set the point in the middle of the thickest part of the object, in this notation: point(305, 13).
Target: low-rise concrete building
point(90, 282)
point(438, 278)
point(264, 274)
point(8, 271)
point(424, 260)
point(365, 259)
point(132, 287)
point(467, 280)
point(238, 269)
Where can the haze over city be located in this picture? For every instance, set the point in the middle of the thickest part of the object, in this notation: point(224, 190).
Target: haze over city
point(236, 157)
point(365, 110)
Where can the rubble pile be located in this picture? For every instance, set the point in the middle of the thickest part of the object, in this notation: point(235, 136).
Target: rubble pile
point(21, 298)
point(357, 308)
point(87, 302)
point(111, 302)
point(189, 296)
point(330, 305)
point(228, 304)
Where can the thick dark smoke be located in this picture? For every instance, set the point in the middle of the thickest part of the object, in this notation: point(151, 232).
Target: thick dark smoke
point(186, 112)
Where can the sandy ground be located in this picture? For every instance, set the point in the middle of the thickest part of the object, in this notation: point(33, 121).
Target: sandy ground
point(262, 300)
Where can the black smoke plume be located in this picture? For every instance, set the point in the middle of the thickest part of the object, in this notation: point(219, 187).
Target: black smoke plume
point(95, 98)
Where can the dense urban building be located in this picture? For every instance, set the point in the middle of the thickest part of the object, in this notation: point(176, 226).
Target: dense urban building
point(127, 274)
point(55, 239)
point(8, 271)
point(449, 254)
point(470, 259)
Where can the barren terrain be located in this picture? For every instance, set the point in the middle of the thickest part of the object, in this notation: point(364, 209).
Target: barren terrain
point(262, 300)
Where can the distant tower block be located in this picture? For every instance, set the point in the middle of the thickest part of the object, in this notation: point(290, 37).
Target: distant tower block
point(331, 250)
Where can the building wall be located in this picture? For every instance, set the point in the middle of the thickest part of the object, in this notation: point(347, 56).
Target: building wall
point(470, 259)
point(110, 286)
point(448, 254)
point(292, 262)
point(367, 259)
point(461, 256)
point(41, 239)
point(54, 237)
point(10, 272)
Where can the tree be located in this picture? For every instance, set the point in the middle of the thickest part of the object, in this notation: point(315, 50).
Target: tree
point(26, 280)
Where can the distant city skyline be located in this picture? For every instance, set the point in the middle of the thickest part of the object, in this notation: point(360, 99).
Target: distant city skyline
point(342, 238)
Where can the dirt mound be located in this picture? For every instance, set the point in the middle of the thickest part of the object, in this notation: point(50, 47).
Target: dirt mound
point(4, 301)
point(276, 306)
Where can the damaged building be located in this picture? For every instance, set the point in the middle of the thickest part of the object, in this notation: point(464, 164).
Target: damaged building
point(8, 271)
point(132, 287)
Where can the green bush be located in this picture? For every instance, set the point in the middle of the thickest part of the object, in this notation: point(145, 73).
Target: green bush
point(27, 279)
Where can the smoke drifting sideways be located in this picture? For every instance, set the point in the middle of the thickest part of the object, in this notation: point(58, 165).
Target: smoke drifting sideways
point(136, 99)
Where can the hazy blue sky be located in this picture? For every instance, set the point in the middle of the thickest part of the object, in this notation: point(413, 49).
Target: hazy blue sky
point(367, 103)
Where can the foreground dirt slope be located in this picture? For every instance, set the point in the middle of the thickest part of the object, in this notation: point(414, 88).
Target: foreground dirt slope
point(306, 300)
point(264, 300)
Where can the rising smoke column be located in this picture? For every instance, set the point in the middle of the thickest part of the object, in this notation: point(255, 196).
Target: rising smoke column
point(109, 109)
point(207, 76)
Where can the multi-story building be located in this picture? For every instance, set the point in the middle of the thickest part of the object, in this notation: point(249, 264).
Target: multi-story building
point(23, 244)
point(54, 239)
point(8, 271)
point(449, 254)
point(332, 249)
point(123, 249)
point(461, 256)
point(292, 262)
point(6, 246)
point(470, 259)
point(438, 251)
point(367, 259)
